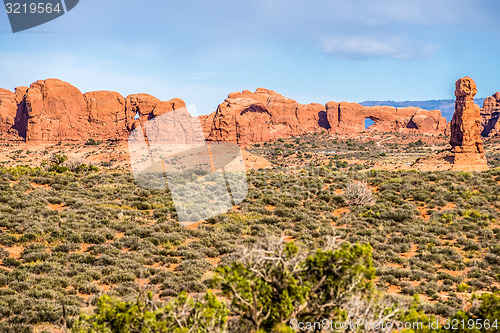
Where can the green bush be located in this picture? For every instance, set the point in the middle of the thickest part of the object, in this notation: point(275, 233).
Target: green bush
point(183, 314)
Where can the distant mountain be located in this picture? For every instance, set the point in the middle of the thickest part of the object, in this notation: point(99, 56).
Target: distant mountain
point(447, 106)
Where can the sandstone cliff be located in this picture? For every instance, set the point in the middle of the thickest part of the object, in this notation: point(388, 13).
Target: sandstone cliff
point(489, 115)
point(348, 118)
point(265, 115)
point(53, 110)
point(8, 110)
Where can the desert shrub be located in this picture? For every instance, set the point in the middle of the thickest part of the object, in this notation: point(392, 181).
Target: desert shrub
point(8, 240)
point(183, 314)
point(3, 253)
point(15, 328)
point(281, 295)
point(118, 277)
point(10, 262)
point(93, 238)
point(92, 142)
point(358, 194)
point(82, 168)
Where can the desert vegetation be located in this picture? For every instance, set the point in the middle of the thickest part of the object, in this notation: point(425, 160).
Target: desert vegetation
point(69, 237)
point(367, 150)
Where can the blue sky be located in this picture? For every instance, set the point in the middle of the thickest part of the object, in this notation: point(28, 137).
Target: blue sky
point(312, 51)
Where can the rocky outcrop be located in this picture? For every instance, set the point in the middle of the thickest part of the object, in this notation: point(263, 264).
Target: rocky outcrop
point(52, 110)
point(254, 162)
point(145, 107)
point(465, 140)
point(141, 106)
point(21, 121)
point(489, 116)
point(348, 118)
point(107, 114)
point(206, 123)
point(8, 110)
point(264, 115)
point(56, 111)
point(466, 153)
point(13, 120)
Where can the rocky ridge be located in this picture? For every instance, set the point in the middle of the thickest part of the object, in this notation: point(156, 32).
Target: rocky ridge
point(347, 118)
point(52, 111)
point(265, 115)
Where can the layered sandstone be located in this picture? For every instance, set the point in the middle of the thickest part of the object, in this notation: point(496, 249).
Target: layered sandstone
point(348, 118)
point(206, 123)
point(465, 140)
point(8, 110)
point(489, 115)
point(52, 110)
point(264, 115)
point(107, 114)
point(145, 107)
point(466, 153)
point(56, 111)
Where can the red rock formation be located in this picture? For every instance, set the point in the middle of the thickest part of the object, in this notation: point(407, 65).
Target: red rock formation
point(8, 110)
point(56, 111)
point(348, 118)
point(145, 107)
point(265, 115)
point(53, 110)
point(465, 140)
point(489, 115)
point(12, 119)
point(489, 105)
point(107, 115)
point(18, 130)
point(141, 106)
point(206, 123)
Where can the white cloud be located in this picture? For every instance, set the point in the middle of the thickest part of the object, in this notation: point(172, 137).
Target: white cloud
point(365, 47)
point(363, 29)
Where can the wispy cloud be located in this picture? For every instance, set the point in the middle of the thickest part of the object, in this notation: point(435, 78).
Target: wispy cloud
point(364, 29)
point(365, 47)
